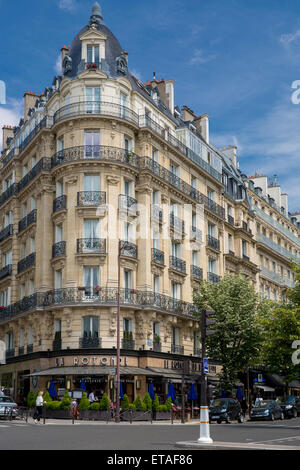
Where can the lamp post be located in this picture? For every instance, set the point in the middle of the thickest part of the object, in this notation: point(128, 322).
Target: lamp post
point(123, 245)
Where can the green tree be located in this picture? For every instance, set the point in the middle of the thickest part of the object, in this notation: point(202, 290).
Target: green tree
point(238, 331)
point(139, 405)
point(84, 402)
point(104, 402)
point(155, 403)
point(294, 294)
point(148, 401)
point(47, 398)
point(125, 402)
point(66, 401)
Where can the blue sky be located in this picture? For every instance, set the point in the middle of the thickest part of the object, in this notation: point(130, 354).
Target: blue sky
point(235, 60)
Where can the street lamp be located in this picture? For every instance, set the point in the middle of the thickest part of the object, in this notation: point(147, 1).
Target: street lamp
point(123, 245)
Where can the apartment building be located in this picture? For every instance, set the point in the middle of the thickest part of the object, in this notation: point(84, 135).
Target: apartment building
point(103, 167)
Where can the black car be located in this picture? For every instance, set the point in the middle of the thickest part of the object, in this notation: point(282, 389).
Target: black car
point(225, 409)
point(267, 410)
point(291, 407)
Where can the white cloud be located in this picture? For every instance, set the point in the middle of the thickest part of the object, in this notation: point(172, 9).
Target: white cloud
point(68, 5)
point(10, 114)
point(271, 145)
point(289, 38)
point(199, 58)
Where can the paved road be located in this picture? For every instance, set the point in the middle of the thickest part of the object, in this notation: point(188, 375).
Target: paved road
point(100, 436)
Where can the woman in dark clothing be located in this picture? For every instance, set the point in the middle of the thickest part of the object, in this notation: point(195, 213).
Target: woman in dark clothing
point(244, 405)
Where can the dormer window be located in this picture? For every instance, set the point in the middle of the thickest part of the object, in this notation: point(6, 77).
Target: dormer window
point(93, 55)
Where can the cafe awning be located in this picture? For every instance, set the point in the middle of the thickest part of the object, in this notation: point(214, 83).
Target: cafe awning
point(265, 388)
point(90, 370)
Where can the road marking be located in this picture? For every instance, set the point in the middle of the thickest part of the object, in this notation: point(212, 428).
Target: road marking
point(296, 438)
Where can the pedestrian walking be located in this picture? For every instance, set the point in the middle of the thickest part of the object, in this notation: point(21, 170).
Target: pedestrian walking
point(39, 408)
point(244, 406)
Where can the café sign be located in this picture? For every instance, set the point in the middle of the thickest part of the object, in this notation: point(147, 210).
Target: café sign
point(92, 361)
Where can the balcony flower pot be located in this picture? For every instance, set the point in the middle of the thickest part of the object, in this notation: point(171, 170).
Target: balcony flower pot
point(97, 289)
point(81, 288)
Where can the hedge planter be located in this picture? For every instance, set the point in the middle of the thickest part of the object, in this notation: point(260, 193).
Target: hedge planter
point(130, 415)
point(56, 414)
point(161, 415)
point(93, 415)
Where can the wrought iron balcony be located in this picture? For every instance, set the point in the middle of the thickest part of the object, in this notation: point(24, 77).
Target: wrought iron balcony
point(197, 351)
point(128, 249)
point(60, 203)
point(6, 232)
point(246, 227)
point(91, 198)
point(197, 273)
point(56, 344)
point(8, 157)
point(261, 238)
point(156, 346)
point(246, 258)
point(91, 245)
point(10, 353)
point(156, 213)
point(230, 220)
point(101, 108)
point(213, 278)
point(26, 263)
point(21, 350)
point(11, 191)
point(213, 242)
point(6, 271)
point(176, 349)
point(196, 234)
point(158, 256)
point(128, 344)
point(90, 342)
point(29, 348)
point(176, 223)
point(95, 152)
point(104, 296)
point(177, 264)
point(44, 164)
point(59, 249)
point(46, 122)
point(146, 121)
point(127, 203)
point(27, 220)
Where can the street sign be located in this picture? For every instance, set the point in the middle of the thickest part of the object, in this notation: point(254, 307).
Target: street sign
point(205, 365)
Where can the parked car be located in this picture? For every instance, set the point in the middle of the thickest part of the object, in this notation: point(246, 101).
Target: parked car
point(267, 410)
point(225, 409)
point(291, 407)
point(8, 406)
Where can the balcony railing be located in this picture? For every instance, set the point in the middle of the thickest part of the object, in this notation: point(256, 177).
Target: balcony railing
point(246, 258)
point(246, 227)
point(27, 220)
point(21, 350)
point(6, 271)
point(105, 296)
point(270, 220)
point(10, 353)
point(128, 249)
point(8, 157)
point(59, 249)
point(213, 278)
point(128, 344)
point(26, 263)
point(91, 245)
point(196, 234)
point(197, 273)
point(29, 348)
point(90, 342)
point(127, 203)
point(274, 276)
point(176, 349)
point(95, 152)
point(213, 242)
point(101, 108)
point(91, 198)
point(44, 164)
point(156, 213)
point(10, 191)
point(230, 220)
point(60, 203)
point(271, 244)
point(177, 224)
point(57, 344)
point(158, 256)
point(46, 122)
point(7, 232)
point(177, 264)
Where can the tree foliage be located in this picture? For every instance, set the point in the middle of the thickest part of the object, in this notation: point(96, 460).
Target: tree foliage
point(238, 332)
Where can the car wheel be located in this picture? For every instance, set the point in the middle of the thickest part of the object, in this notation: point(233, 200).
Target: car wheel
point(219, 421)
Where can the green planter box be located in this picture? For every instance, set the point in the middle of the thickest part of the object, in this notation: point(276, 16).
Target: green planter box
point(56, 414)
point(161, 415)
point(93, 415)
point(129, 415)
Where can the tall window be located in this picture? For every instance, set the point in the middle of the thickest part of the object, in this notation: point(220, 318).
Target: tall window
point(92, 95)
point(90, 278)
point(91, 228)
point(90, 327)
point(59, 188)
point(9, 341)
point(156, 284)
point(93, 54)
point(91, 183)
point(58, 279)
point(30, 336)
point(175, 336)
point(176, 291)
point(155, 155)
point(124, 105)
point(92, 144)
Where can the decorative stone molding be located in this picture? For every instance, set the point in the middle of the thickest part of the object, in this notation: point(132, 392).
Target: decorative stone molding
point(71, 179)
point(179, 278)
point(112, 180)
point(128, 264)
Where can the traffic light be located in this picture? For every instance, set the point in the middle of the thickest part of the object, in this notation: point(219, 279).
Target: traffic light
point(207, 321)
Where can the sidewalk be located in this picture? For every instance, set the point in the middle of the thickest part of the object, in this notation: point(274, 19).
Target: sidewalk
point(194, 445)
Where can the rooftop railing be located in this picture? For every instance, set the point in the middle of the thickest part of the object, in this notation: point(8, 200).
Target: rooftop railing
point(270, 220)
